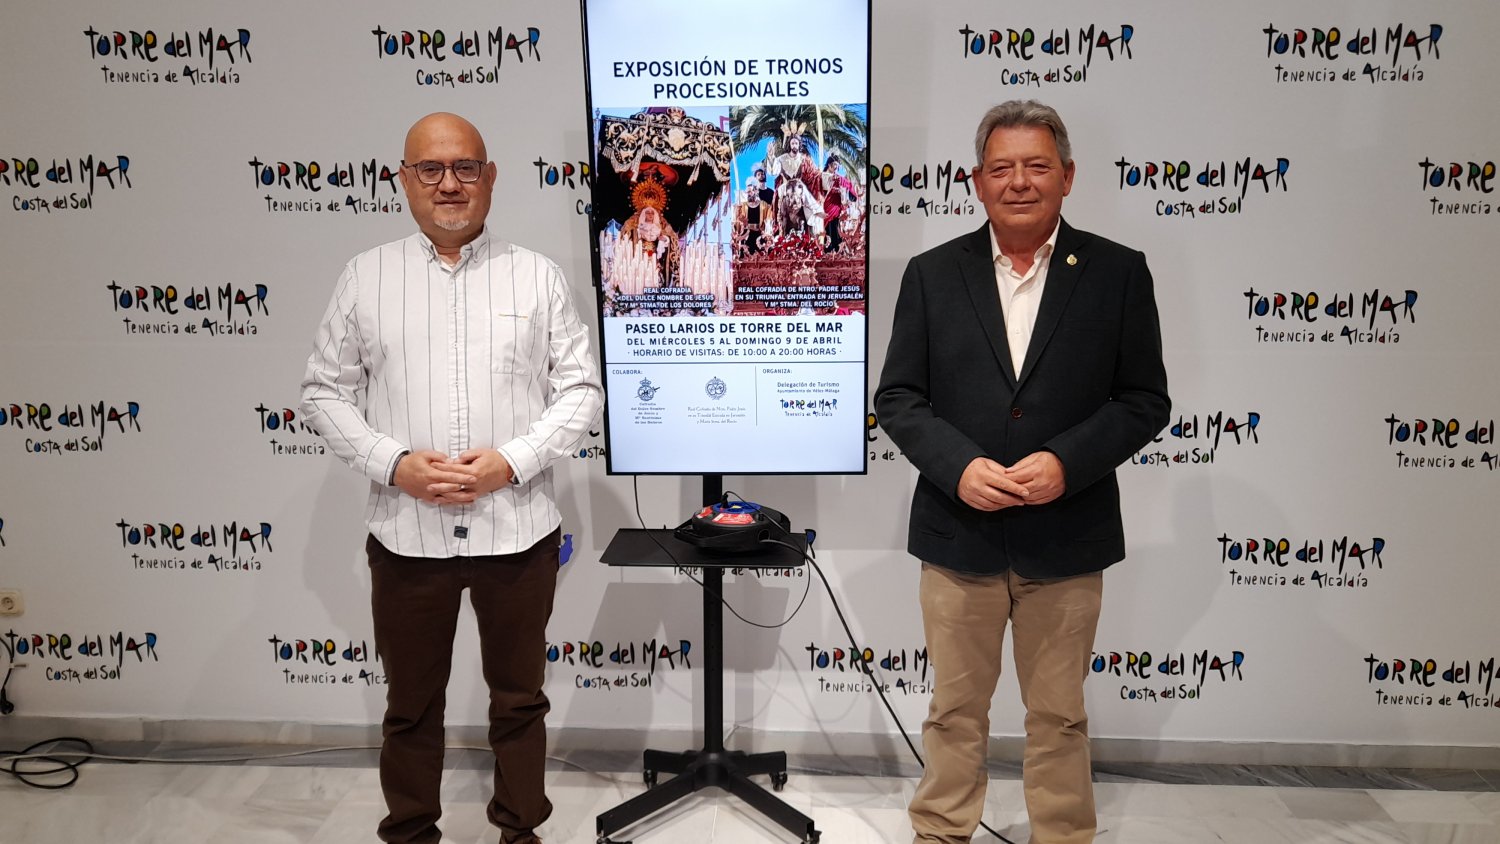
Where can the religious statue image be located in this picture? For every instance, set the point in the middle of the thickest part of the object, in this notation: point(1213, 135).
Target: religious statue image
point(799, 245)
point(839, 197)
point(798, 208)
point(650, 234)
point(753, 224)
point(664, 197)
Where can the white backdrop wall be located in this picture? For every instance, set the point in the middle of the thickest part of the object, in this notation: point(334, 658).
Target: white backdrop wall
point(1308, 425)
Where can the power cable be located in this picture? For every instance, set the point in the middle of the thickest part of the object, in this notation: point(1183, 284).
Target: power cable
point(868, 670)
point(58, 759)
point(10, 762)
point(865, 667)
point(806, 587)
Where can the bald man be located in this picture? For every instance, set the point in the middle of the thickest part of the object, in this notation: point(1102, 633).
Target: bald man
point(452, 370)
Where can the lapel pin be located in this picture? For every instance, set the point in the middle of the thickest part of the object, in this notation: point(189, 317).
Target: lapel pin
point(1072, 260)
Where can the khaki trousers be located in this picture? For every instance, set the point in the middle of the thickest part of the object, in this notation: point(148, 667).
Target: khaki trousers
point(1053, 624)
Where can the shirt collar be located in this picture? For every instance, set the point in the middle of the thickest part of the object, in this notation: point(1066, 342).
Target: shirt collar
point(478, 247)
point(1043, 252)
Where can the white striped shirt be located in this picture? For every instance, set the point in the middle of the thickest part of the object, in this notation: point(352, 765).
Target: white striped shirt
point(488, 353)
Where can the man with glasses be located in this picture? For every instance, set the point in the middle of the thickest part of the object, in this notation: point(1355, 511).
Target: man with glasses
point(451, 369)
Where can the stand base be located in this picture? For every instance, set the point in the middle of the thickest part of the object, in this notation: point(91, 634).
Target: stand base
point(698, 769)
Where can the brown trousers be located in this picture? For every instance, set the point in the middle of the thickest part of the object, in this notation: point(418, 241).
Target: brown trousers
point(1053, 623)
point(415, 604)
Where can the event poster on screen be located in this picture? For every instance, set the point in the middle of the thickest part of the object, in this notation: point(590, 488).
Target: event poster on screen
point(729, 146)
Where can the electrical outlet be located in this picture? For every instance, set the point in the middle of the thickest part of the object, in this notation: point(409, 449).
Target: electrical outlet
point(11, 602)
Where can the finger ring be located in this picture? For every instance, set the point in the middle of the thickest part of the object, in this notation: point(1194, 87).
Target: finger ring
point(461, 487)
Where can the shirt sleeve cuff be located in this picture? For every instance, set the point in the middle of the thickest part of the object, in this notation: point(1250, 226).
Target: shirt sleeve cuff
point(521, 470)
point(382, 461)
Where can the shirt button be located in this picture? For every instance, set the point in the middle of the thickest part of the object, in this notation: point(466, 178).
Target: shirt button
point(1015, 413)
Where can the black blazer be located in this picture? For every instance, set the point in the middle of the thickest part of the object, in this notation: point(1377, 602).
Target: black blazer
point(1092, 390)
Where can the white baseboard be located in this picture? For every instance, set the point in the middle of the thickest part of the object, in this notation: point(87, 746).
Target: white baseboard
point(19, 730)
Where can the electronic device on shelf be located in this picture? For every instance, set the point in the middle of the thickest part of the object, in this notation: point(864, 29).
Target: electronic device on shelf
point(734, 527)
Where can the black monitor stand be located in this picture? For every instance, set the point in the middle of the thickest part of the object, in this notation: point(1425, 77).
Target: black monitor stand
point(713, 765)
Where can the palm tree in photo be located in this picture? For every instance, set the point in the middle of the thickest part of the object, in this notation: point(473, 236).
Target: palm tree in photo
point(835, 131)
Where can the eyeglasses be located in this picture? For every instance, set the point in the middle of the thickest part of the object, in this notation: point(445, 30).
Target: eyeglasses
point(465, 170)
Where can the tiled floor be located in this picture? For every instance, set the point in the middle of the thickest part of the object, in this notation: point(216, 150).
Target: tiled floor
point(334, 798)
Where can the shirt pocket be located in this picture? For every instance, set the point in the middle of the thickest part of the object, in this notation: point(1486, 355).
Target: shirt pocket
point(513, 342)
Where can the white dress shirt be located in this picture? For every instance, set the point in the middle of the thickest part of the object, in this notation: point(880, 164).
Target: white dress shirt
point(1021, 294)
point(415, 354)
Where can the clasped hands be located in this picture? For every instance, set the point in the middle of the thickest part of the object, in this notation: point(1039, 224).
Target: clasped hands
point(430, 476)
point(1035, 479)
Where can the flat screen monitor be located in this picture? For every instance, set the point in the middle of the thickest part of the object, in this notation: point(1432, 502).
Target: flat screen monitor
point(729, 147)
